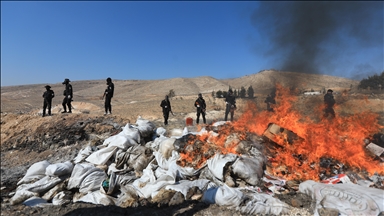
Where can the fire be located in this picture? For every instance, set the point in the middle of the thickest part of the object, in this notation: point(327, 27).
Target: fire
point(199, 149)
point(340, 138)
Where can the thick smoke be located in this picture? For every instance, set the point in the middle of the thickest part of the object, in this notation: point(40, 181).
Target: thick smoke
point(313, 36)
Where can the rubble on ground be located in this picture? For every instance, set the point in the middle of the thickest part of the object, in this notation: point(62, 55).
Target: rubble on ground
point(141, 166)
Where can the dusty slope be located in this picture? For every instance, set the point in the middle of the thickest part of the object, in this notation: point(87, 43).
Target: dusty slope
point(26, 137)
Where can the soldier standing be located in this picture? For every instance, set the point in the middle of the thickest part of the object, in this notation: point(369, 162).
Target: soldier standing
point(166, 105)
point(230, 102)
point(48, 95)
point(329, 101)
point(68, 97)
point(270, 100)
point(108, 94)
point(200, 108)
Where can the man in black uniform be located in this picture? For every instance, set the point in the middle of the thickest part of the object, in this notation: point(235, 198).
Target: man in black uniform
point(200, 108)
point(68, 96)
point(166, 105)
point(270, 100)
point(230, 102)
point(108, 94)
point(48, 95)
point(329, 102)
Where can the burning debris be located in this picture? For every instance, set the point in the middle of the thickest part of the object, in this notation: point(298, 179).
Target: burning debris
point(244, 165)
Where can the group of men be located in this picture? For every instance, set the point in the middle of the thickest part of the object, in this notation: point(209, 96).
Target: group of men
point(201, 107)
point(329, 102)
point(68, 97)
point(230, 102)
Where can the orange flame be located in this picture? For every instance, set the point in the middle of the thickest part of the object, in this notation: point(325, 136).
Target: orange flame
point(340, 138)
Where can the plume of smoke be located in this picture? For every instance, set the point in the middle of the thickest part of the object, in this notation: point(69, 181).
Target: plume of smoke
point(306, 36)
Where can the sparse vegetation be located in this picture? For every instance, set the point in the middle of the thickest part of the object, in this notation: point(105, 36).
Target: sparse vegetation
point(372, 82)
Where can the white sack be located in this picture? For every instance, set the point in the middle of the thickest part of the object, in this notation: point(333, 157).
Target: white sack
point(178, 172)
point(249, 169)
point(217, 163)
point(59, 199)
point(59, 169)
point(227, 196)
point(24, 192)
point(53, 191)
point(22, 195)
point(97, 198)
point(80, 171)
point(101, 156)
point(148, 176)
point(120, 141)
point(152, 188)
point(263, 204)
point(348, 199)
point(160, 131)
point(92, 181)
point(145, 127)
point(131, 132)
point(83, 153)
point(35, 172)
point(36, 202)
point(183, 186)
point(156, 143)
point(166, 147)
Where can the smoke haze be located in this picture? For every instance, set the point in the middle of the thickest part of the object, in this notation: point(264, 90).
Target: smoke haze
point(312, 37)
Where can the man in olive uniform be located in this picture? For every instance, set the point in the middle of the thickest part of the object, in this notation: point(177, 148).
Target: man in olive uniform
point(166, 105)
point(200, 108)
point(329, 101)
point(108, 94)
point(48, 95)
point(68, 97)
point(230, 102)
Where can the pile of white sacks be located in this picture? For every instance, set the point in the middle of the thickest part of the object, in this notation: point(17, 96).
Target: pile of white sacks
point(125, 170)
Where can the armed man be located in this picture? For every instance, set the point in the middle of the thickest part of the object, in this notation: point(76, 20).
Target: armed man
point(108, 94)
point(68, 96)
point(48, 95)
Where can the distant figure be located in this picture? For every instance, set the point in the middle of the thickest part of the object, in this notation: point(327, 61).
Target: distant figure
point(230, 102)
point(270, 100)
point(48, 95)
point(329, 102)
point(68, 97)
point(166, 105)
point(108, 94)
point(200, 108)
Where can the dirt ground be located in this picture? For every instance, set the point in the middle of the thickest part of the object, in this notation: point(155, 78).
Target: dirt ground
point(27, 137)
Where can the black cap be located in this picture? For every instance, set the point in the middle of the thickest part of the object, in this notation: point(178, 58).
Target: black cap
point(47, 86)
point(66, 81)
point(329, 90)
point(200, 95)
point(109, 79)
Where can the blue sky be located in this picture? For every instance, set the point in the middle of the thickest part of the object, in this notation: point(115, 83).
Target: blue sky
point(45, 42)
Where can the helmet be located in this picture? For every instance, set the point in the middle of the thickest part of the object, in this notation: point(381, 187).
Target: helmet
point(109, 79)
point(47, 87)
point(329, 90)
point(200, 95)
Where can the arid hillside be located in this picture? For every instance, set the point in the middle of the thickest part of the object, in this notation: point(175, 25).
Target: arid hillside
point(26, 98)
point(27, 137)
